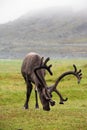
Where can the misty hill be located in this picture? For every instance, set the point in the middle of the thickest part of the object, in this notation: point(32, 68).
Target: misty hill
point(52, 32)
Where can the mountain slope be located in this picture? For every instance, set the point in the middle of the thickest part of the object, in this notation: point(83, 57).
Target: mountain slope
point(53, 32)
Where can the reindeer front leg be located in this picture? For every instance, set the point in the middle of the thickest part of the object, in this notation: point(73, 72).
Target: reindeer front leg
point(36, 98)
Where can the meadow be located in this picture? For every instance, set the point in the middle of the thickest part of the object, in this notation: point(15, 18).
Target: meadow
point(70, 116)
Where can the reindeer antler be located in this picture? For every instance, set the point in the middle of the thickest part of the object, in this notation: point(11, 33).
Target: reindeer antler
point(43, 65)
point(76, 73)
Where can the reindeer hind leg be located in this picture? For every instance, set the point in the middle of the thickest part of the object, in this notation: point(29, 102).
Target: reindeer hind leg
point(28, 93)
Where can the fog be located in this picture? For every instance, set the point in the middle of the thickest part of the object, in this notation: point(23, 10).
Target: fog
point(12, 9)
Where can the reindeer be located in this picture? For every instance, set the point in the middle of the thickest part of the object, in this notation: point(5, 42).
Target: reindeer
point(29, 65)
point(33, 70)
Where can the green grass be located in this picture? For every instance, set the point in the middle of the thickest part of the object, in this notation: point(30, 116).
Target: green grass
point(70, 116)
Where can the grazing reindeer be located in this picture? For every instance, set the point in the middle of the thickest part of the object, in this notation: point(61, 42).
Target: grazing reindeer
point(33, 71)
point(30, 63)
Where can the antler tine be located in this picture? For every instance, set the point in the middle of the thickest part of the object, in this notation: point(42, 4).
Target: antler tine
point(46, 60)
point(79, 71)
point(75, 68)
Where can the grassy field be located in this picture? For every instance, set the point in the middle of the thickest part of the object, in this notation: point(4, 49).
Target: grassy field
point(70, 116)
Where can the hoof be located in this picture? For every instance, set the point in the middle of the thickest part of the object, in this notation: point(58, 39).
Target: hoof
point(61, 103)
point(25, 107)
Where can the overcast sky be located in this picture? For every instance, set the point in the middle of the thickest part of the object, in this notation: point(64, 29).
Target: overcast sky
point(12, 9)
